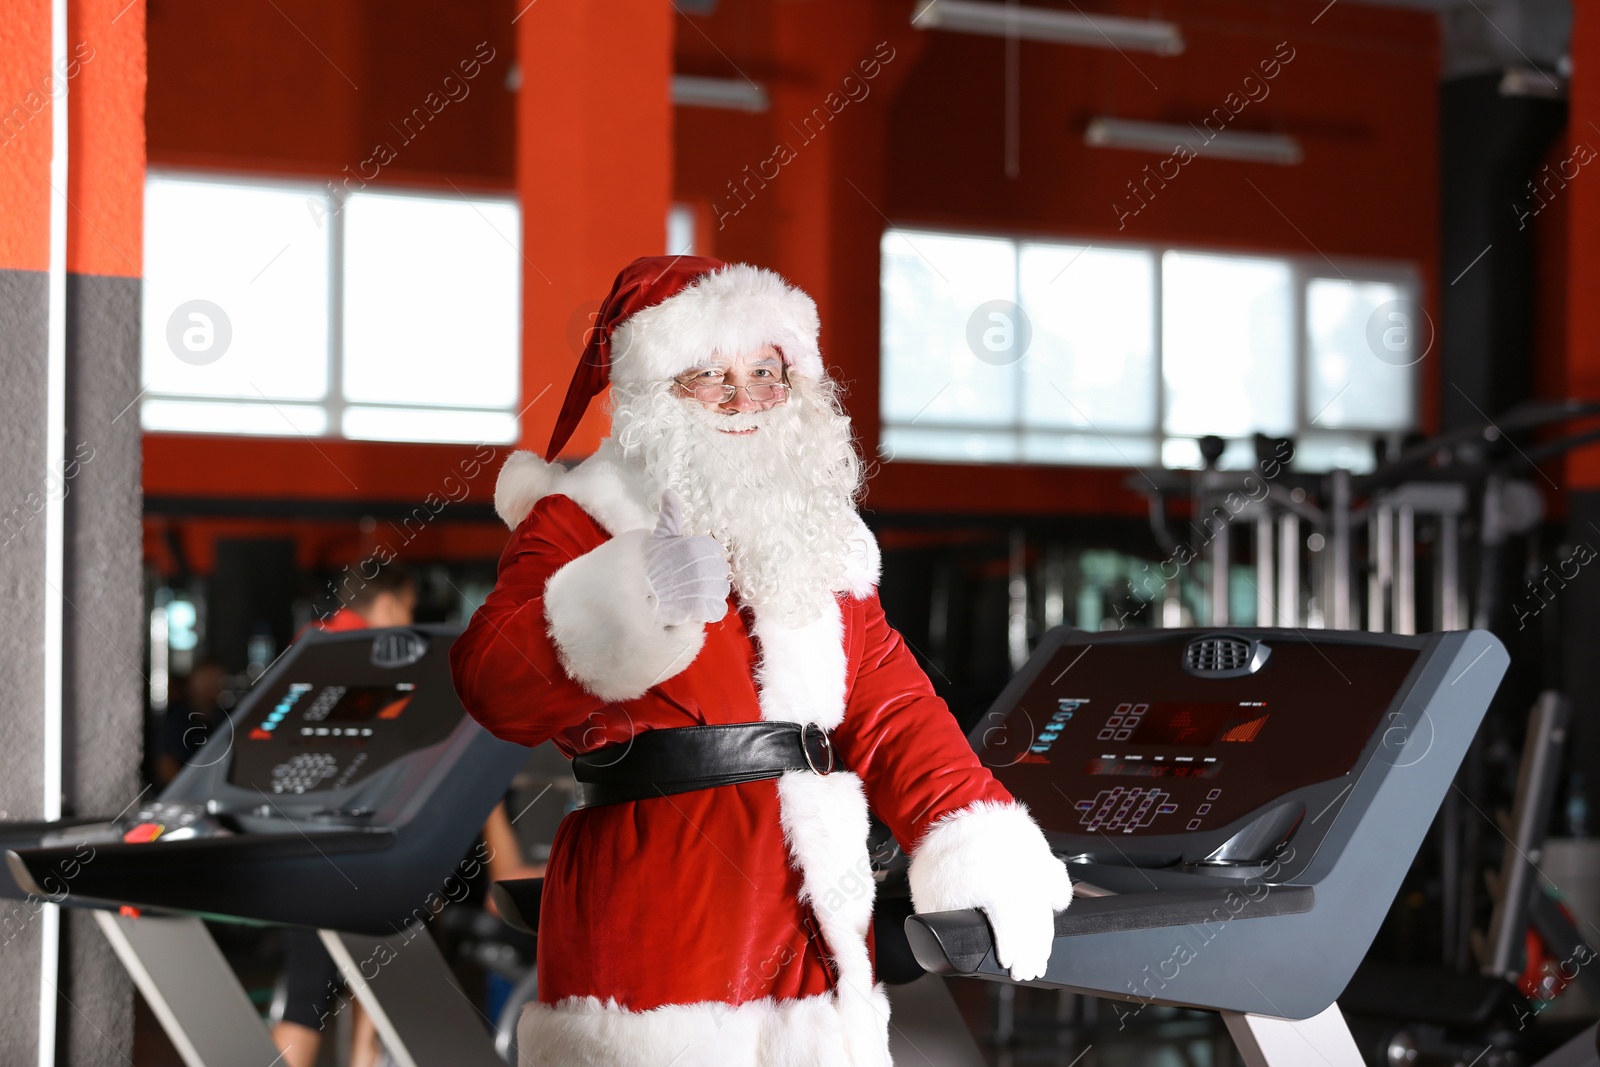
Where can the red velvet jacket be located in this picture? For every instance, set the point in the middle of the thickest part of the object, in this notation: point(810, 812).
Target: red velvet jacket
point(695, 897)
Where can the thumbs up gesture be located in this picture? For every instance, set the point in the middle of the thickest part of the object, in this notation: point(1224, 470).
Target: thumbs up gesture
point(688, 574)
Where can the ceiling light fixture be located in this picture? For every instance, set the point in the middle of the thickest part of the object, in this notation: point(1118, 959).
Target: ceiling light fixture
point(1058, 27)
point(732, 94)
point(1164, 138)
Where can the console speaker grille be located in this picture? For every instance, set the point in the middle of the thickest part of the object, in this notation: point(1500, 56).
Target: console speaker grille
point(1223, 656)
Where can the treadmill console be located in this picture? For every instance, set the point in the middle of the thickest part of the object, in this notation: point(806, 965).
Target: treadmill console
point(333, 733)
point(302, 737)
point(1244, 803)
point(336, 795)
point(1195, 747)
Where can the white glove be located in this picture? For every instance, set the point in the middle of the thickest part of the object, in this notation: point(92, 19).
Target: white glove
point(1024, 920)
point(688, 575)
point(994, 857)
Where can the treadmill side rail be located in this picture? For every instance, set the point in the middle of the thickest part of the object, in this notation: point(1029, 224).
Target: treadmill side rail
point(1264, 1041)
point(406, 986)
point(190, 988)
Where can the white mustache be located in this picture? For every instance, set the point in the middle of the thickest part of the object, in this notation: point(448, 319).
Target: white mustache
point(720, 420)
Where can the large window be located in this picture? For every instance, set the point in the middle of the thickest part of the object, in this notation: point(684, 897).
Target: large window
point(1014, 351)
point(275, 308)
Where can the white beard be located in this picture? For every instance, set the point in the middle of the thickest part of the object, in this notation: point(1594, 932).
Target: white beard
point(781, 500)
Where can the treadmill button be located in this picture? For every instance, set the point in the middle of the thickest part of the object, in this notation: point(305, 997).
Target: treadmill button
point(1204, 809)
point(1123, 735)
point(1106, 734)
point(1166, 809)
point(1214, 794)
point(1194, 824)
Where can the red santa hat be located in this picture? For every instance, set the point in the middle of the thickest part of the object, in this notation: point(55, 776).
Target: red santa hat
point(667, 315)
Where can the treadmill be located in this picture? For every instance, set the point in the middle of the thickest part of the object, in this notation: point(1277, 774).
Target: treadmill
point(342, 795)
point(1237, 807)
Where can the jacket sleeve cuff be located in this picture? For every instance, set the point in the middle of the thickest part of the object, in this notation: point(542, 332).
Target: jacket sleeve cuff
point(601, 615)
point(986, 854)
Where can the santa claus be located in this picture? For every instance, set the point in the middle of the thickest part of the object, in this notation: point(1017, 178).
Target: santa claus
point(691, 614)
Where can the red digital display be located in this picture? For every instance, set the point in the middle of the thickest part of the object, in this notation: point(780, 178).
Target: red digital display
point(1198, 725)
point(1123, 768)
point(363, 703)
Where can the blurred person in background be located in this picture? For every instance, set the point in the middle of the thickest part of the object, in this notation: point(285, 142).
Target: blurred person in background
point(188, 721)
point(388, 598)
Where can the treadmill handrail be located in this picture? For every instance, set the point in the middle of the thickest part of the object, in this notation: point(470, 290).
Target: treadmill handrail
point(19, 833)
point(958, 942)
point(518, 900)
point(110, 857)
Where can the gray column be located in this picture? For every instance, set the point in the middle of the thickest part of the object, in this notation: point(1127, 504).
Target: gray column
point(22, 503)
point(103, 632)
point(102, 635)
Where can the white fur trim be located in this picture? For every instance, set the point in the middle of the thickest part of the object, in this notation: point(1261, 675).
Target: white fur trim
point(583, 1032)
point(612, 492)
point(524, 479)
point(801, 672)
point(604, 486)
point(601, 615)
point(992, 855)
point(731, 311)
point(801, 678)
point(825, 827)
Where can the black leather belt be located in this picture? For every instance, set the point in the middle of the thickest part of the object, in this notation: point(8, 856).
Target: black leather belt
point(658, 763)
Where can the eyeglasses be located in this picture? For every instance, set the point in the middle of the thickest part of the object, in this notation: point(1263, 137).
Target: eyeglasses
point(723, 393)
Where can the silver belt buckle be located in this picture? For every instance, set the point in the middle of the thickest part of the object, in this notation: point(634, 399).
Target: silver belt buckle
point(827, 746)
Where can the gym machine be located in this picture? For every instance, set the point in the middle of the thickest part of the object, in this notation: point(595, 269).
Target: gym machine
point(1238, 807)
point(342, 795)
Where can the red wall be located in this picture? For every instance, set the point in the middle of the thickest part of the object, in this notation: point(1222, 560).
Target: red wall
point(241, 85)
point(309, 87)
point(1359, 93)
point(1582, 351)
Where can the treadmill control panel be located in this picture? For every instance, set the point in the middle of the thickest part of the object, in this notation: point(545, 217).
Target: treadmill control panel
point(340, 731)
point(1119, 741)
point(307, 737)
point(170, 822)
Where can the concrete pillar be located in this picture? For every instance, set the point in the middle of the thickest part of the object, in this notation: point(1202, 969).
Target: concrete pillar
point(73, 647)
